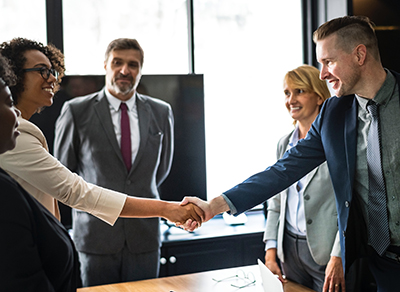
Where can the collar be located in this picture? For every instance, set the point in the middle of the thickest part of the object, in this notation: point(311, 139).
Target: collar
point(294, 138)
point(384, 94)
point(115, 102)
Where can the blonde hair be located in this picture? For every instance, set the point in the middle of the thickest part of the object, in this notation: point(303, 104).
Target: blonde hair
point(306, 77)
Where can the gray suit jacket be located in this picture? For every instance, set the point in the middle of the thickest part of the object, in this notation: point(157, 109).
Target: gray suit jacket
point(320, 212)
point(86, 143)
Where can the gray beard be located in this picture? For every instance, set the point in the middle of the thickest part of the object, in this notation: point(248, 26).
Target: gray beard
point(124, 90)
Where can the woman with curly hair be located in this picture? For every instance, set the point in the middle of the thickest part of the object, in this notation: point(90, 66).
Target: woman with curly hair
point(19, 50)
point(39, 70)
point(37, 253)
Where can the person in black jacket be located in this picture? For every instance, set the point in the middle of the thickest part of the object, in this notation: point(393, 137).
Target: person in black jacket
point(36, 252)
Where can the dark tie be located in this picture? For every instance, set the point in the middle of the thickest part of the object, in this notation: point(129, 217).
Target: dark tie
point(379, 236)
point(126, 149)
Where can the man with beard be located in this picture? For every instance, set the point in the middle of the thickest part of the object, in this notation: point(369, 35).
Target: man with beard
point(122, 140)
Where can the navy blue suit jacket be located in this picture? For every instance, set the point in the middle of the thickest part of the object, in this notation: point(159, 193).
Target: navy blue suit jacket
point(332, 137)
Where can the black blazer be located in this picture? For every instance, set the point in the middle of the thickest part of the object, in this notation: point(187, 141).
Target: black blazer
point(36, 252)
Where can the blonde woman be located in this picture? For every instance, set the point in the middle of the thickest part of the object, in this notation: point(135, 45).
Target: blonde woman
point(301, 227)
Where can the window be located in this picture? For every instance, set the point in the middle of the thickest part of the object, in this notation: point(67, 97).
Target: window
point(244, 48)
point(159, 26)
point(29, 22)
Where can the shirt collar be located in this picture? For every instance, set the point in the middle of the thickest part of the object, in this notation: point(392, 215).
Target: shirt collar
point(384, 93)
point(115, 102)
point(294, 138)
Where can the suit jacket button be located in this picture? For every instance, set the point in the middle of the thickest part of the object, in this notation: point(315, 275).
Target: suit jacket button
point(347, 204)
point(307, 197)
point(309, 221)
point(128, 182)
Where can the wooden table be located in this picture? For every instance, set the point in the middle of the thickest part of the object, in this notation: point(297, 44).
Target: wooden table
point(197, 282)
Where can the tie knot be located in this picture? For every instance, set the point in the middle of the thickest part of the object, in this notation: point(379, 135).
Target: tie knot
point(123, 106)
point(372, 107)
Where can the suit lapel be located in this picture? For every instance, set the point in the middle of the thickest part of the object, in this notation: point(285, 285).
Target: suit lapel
point(350, 138)
point(144, 122)
point(102, 109)
point(310, 176)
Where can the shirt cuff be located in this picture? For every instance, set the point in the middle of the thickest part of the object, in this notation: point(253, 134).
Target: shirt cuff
point(109, 206)
point(232, 208)
point(270, 243)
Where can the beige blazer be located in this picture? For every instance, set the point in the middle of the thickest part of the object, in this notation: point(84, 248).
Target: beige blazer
point(46, 179)
point(320, 212)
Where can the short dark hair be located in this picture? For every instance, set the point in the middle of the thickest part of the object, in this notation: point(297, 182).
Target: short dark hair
point(14, 51)
point(6, 73)
point(351, 31)
point(124, 44)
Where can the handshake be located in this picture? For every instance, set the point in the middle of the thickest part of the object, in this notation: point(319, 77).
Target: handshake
point(192, 211)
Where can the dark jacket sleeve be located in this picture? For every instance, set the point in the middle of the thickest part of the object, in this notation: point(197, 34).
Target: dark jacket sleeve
point(295, 163)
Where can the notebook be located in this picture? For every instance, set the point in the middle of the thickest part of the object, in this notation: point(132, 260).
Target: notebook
point(271, 283)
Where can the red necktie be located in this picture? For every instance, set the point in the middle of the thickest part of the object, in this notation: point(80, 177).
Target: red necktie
point(126, 149)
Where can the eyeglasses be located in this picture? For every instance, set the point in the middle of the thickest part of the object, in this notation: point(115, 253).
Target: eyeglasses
point(247, 280)
point(44, 71)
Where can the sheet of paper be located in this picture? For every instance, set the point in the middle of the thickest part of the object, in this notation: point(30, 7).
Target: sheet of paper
point(270, 282)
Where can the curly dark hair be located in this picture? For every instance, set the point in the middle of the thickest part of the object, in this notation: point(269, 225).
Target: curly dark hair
point(14, 51)
point(6, 73)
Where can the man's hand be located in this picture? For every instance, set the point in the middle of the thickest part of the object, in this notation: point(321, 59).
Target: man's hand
point(191, 225)
point(205, 206)
point(334, 277)
point(272, 265)
point(179, 214)
point(215, 206)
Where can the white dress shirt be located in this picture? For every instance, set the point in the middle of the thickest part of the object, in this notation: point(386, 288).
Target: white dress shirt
point(133, 120)
point(295, 217)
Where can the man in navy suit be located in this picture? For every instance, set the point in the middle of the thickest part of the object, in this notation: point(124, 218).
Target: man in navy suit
point(347, 50)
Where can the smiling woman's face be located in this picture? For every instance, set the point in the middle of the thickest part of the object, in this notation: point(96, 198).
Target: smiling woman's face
point(303, 106)
point(8, 119)
point(38, 92)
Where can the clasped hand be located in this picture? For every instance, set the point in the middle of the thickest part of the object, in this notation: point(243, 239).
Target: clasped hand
point(202, 209)
point(188, 214)
point(198, 211)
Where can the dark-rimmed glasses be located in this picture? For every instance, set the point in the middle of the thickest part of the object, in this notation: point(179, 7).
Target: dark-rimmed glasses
point(44, 71)
point(248, 279)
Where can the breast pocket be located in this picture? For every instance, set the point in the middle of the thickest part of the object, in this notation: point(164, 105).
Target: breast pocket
point(153, 148)
point(156, 138)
